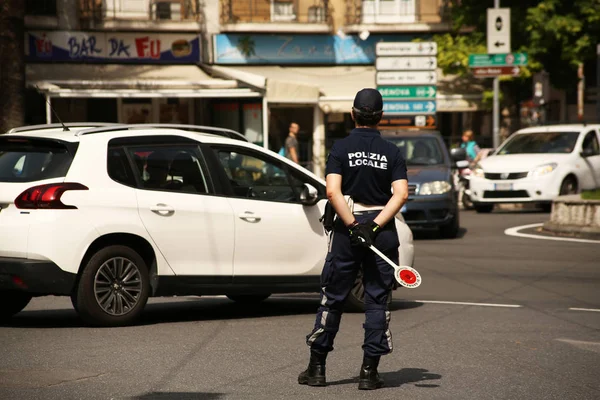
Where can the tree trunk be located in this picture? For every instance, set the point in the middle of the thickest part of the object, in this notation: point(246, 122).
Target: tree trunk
point(12, 64)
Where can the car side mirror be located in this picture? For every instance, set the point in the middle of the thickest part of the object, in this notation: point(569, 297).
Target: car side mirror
point(309, 195)
point(458, 154)
point(586, 153)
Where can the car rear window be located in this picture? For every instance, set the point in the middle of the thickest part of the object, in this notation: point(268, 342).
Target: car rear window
point(29, 160)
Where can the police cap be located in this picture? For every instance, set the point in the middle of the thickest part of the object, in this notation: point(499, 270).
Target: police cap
point(368, 101)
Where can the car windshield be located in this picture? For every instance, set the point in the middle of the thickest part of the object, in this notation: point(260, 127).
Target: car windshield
point(540, 142)
point(419, 150)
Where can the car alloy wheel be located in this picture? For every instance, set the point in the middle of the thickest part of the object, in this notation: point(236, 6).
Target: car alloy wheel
point(117, 286)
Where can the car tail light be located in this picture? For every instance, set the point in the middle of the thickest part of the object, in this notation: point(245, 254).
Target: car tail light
point(47, 196)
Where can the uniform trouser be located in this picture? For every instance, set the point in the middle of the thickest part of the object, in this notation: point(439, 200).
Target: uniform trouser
point(337, 279)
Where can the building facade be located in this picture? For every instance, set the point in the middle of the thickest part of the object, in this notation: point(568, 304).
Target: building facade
point(251, 65)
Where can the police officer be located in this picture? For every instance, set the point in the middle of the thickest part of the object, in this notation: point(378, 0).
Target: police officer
point(364, 167)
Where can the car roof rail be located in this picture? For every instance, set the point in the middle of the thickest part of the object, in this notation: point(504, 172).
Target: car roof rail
point(28, 128)
point(211, 130)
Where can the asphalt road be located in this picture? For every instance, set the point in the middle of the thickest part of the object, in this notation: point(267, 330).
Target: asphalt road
point(539, 345)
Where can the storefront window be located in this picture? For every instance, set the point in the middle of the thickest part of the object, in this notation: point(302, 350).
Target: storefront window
point(137, 111)
point(174, 111)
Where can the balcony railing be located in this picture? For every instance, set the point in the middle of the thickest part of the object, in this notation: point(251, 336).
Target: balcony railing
point(277, 11)
point(140, 10)
point(396, 11)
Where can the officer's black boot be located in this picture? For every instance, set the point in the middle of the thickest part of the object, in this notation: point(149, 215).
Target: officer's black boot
point(369, 377)
point(314, 375)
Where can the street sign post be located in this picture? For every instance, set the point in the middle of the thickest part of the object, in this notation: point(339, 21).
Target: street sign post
point(406, 49)
point(409, 107)
point(407, 92)
point(405, 63)
point(492, 72)
point(406, 78)
point(409, 121)
point(498, 60)
point(498, 30)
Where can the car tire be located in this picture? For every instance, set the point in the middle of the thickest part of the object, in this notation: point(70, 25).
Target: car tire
point(450, 230)
point(355, 302)
point(113, 288)
point(248, 298)
point(568, 186)
point(484, 208)
point(12, 302)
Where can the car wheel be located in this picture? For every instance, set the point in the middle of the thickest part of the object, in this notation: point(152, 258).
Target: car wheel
point(450, 230)
point(12, 302)
point(355, 302)
point(568, 186)
point(113, 288)
point(248, 298)
point(483, 208)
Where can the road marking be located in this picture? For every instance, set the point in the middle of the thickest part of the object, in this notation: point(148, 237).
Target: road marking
point(515, 232)
point(462, 303)
point(584, 309)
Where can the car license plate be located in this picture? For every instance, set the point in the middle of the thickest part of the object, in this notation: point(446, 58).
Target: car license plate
point(503, 186)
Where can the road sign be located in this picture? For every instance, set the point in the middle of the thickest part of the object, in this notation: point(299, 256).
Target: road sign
point(406, 78)
point(407, 92)
point(408, 121)
point(406, 49)
point(405, 63)
point(498, 30)
point(497, 60)
point(409, 107)
point(492, 72)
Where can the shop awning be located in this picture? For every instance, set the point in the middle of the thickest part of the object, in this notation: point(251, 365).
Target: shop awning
point(118, 80)
point(333, 87)
point(337, 85)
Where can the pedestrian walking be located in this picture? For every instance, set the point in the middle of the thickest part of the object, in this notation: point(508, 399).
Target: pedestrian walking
point(366, 185)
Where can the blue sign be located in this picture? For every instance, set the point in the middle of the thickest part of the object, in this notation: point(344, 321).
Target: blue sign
point(239, 48)
point(409, 107)
point(114, 47)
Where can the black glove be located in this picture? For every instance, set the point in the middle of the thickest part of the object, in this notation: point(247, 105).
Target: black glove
point(363, 234)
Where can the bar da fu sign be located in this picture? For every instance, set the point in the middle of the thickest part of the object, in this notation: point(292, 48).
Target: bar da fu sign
point(79, 46)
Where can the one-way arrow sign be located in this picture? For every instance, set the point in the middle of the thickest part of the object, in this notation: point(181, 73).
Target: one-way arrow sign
point(406, 78)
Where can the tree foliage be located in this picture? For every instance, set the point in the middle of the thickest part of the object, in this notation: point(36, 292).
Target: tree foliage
point(557, 35)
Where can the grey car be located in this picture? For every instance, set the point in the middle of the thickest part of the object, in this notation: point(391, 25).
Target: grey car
point(433, 200)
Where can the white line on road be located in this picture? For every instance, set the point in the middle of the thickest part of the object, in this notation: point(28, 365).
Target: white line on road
point(515, 232)
point(584, 309)
point(469, 304)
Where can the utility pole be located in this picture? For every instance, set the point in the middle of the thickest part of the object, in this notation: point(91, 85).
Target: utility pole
point(496, 106)
point(598, 82)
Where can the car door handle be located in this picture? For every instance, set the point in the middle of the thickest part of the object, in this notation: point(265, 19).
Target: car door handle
point(249, 216)
point(162, 209)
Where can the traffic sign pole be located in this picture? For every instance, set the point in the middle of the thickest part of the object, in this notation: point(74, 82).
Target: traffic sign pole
point(496, 106)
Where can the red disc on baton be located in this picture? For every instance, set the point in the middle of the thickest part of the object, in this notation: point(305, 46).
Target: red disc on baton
point(408, 276)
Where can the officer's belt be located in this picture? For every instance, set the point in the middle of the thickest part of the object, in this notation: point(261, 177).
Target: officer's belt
point(359, 207)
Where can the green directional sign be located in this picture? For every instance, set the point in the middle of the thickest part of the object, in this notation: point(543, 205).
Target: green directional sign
point(497, 60)
point(407, 92)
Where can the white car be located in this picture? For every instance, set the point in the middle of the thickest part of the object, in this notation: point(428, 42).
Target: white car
point(111, 215)
point(535, 165)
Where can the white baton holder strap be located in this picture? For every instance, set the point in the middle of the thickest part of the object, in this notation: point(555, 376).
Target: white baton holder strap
point(405, 275)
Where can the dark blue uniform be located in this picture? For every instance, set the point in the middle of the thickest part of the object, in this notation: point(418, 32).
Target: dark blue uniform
point(368, 165)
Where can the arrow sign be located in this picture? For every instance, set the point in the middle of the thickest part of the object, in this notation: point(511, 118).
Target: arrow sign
point(406, 78)
point(407, 92)
point(406, 49)
point(409, 107)
point(405, 63)
point(497, 60)
point(408, 121)
point(498, 30)
point(487, 72)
